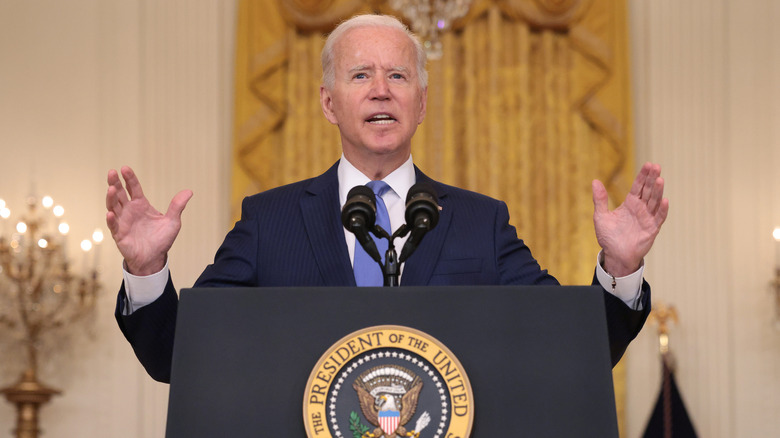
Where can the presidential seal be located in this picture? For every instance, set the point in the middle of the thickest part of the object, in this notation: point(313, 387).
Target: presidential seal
point(391, 382)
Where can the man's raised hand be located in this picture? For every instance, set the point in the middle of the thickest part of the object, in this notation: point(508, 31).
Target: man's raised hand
point(627, 233)
point(142, 234)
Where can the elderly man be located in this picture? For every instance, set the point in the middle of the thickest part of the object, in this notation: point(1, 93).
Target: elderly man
point(374, 89)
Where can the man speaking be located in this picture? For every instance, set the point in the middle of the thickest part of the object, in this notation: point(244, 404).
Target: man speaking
point(374, 88)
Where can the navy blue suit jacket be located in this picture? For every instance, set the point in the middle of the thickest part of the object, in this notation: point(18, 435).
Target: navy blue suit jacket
point(293, 236)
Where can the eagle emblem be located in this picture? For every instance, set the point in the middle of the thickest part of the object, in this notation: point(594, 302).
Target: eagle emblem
point(388, 381)
point(388, 396)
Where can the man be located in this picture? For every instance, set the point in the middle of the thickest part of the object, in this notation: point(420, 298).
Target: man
point(374, 89)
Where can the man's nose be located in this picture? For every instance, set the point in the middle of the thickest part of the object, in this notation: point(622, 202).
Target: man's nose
point(379, 88)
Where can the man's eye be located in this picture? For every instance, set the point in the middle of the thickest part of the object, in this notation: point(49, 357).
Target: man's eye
point(397, 76)
point(360, 76)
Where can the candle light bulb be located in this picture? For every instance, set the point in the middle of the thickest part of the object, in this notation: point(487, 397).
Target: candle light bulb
point(21, 227)
point(43, 243)
point(86, 245)
point(5, 212)
point(47, 201)
point(58, 210)
point(97, 235)
point(64, 228)
point(776, 235)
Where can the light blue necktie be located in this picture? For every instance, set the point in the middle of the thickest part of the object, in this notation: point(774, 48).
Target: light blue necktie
point(367, 271)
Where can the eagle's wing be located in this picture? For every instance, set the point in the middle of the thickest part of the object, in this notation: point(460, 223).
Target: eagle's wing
point(367, 404)
point(409, 401)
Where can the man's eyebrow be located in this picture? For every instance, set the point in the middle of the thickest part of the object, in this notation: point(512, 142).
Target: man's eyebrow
point(362, 67)
point(400, 69)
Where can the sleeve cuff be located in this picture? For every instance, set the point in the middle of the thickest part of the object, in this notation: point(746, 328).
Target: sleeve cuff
point(628, 288)
point(143, 290)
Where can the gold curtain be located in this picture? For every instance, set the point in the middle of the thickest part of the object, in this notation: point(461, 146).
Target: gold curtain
point(529, 103)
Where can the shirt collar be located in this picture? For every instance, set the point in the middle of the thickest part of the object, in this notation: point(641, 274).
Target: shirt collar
point(400, 180)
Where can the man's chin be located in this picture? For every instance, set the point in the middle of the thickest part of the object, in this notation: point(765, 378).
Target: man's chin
point(381, 145)
point(379, 154)
point(388, 150)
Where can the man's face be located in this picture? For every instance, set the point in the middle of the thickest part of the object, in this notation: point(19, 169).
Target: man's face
point(376, 99)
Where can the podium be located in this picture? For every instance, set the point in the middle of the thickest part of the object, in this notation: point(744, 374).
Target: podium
point(537, 357)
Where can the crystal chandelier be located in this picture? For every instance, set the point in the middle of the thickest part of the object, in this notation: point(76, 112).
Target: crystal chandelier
point(40, 294)
point(430, 18)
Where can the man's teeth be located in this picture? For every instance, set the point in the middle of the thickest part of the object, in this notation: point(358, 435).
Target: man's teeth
point(381, 119)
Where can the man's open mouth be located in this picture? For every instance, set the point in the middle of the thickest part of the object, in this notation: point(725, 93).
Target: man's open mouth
point(381, 119)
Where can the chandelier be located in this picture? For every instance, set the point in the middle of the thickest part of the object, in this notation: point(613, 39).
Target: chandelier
point(40, 294)
point(431, 18)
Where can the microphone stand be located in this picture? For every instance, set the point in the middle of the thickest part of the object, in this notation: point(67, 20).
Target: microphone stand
point(421, 208)
point(391, 270)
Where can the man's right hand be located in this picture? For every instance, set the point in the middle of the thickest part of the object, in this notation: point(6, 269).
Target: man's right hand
point(142, 234)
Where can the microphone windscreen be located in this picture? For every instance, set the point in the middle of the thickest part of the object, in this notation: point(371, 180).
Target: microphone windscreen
point(421, 199)
point(425, 188)
point(361, 191)
point(361, 206)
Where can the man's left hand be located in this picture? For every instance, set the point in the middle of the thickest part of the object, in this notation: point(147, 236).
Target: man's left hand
point(627, 233)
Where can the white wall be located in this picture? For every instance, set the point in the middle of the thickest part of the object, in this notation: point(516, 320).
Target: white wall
point(88, 85)
point(706, 92)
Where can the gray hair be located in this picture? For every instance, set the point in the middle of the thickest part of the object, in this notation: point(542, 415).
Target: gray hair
point(369, 20)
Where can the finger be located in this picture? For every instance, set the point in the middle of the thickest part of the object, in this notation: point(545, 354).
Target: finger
point(119, 194)
point(178, 203)
point(663, 212)
point(112, 176)
point(600, 198)
point(133, 185)
point(112, 200)
point(639, 181)
point(656, 195)
point(112, 223)
point(653, 172)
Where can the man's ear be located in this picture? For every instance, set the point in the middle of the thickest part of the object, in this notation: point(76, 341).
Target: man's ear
point(326, 102)
point(423, 105)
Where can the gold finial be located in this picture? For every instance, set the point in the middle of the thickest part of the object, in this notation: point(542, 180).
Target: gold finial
point(663, 315)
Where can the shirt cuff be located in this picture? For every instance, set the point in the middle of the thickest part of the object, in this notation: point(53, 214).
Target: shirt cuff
point(628, 288)
point(143, 290)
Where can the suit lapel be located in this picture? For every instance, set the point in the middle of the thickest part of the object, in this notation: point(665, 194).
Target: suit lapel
point(419, 267)
point(322, 219)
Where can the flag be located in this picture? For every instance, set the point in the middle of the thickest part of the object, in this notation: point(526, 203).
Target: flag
point(670, 418)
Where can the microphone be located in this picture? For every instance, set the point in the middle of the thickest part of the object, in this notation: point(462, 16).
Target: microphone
point(422, 214)
point(359, 217)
